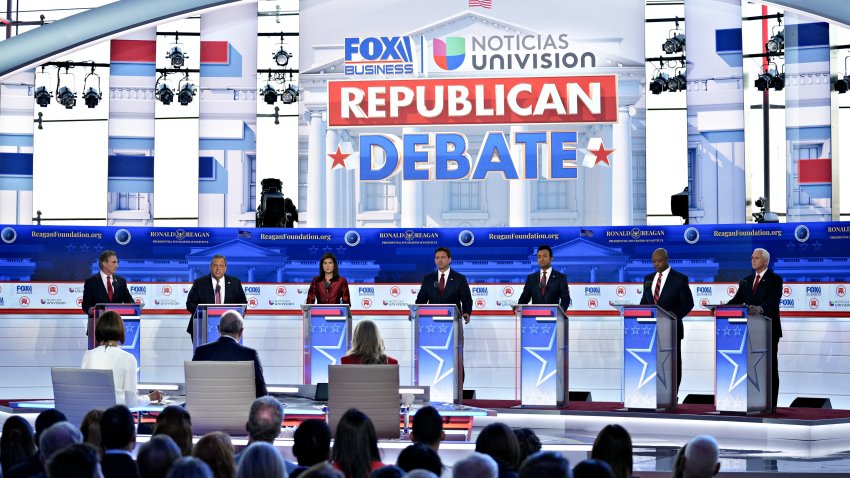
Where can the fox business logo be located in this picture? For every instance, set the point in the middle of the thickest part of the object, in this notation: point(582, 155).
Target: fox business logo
point(786, 303)
point(813, 291)
point(252, 289)
point(379, 56)
point(366, 291)
point(138, 289)
point(703, 290)
point(590, 291)
point(479, 290)
point(53, 289)
point(23, 289)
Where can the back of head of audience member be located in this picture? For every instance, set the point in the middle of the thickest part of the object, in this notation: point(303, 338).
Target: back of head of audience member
point(79, 460)
point(264, 419)
point(117, 428)
point(389, 471)
point(421, 474)
point(545, 464)
point(261, 460)
point(90, 428)
point(478, 465)
point(176, 422)
point(322, 470)
point(428, 427)
point(355, 444)
point(216, 450)
point(701, 458)
point(529, 444)
point(16, 442)
point(312, 442)
point(156, 456)
point(498, 441)
point(56, 438)
point(613, 445)
point(593, 469)
point(420, 456)
point(45, 420)
point(189, 467)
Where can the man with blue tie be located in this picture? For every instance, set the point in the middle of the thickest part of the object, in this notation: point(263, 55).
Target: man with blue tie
point(446, 285)
point(215, 288)
point(546, 286)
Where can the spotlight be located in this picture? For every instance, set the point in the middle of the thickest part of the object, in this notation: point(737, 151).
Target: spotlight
point(66, 97)
point(187, 92)
point(763, 81)
point(176, 55)
point(778, 82)
point(841, 85)
point(269, 94)
point(164, 94)
point(776, 43)
point(659, 83)
point(674, 44)
point(282, 57)
point(92, 97)
point(42, 96)
point(289, 95)
point(677, 83)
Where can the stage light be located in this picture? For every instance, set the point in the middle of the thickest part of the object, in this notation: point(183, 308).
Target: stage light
point(281, 57)
point(187, 92)
point(841, 85)
point(778, 82)
point(776, 43)
point(269, 94)
point(290, 94)
point(677, 83)
point(42, 96)
point(91, 94)
point(176, 55)
point(674, 44)
point(164, 93)
point(66, 97)
point(659, 83)
point(763, 81)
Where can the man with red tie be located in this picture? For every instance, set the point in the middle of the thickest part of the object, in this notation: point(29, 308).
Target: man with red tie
point(546, 286)
point(668, 289)
point(446, 285)
point(215, 288)
point(105, 287)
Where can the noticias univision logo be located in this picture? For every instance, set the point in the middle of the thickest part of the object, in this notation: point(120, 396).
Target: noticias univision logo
point(449, 53)
point(379, 56)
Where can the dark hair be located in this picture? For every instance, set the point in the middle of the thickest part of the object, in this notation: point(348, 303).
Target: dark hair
point(216, 450)
point(545, 464)
point(110, 326)
point(90, 428)
point(79, 460)
point(355, 444)
point(16, 443)
point(265, 419)
point(176, 422)
point(189, 467)
point(529, 444)
point(498, 441)
point(156, 456)
point(544, 247)
point(613, 445)
point(444, 249)
point(312, 442)
point(422, 457)
point(389, 471)
point(593, 469)
point(104, 257)
point(331, 256)
point(45, 420)
point(117, 428)
point(427, 426)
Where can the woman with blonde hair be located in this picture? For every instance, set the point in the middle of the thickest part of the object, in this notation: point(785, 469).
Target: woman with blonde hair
point(367, 346)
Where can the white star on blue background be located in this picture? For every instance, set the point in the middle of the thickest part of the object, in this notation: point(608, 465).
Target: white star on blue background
point(736, 364)
point(543, 376)
point(439, 375)
point(634, 353)
point(322, 349)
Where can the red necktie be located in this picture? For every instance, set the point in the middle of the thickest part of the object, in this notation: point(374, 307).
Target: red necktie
point(756, 283)
point(442, 282)
point(543, 284)
point(217, 292)
point(657, 288)
point(109, 290)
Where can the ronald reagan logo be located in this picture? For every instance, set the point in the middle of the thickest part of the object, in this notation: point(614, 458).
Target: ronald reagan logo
point(280, 290)
point(167, 290)
point(379, 56)
point(508, 291)
point(395, 291)
point(53, 289)
point(786, 290)
point(366, 303)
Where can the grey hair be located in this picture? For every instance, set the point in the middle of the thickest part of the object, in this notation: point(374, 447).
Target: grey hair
point(261, 460)
point(190, 467)
point(478, 465)
point(265, 419)
point(218, 256)
point(57, 437)
point(701, 456)
point(231, 323)
point(764, 254)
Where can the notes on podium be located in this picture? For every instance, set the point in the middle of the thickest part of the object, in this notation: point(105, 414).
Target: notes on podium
point(207, 317)
point(649, 358)
point(327, 338)
point(132, 316)
point(544, 358)
point(438, 350)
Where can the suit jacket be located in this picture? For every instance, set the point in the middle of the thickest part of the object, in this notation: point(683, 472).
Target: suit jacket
point(675, 297)
point(118, 465)
point(456, 291)
point(767, 296)
point(557, 290)
point(94, 292)
point(202, 292)
point(227, 349)
point(337, 293)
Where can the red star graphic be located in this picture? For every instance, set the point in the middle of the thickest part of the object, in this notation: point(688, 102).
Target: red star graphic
point(339, 158)
point(602, 154)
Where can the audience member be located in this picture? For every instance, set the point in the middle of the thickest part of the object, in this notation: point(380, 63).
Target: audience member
point(478, 465)
point(119, 438)
point(56, 438)
point(156, 456)
point(679, 461)
point(311, 445)
point(16, 442)
point(189, 467)
point(79, 460)
point(421, 474)
point(498, 441)
point(545, 464)
point(355, 451)
point(322, 470)
point(264, 422)
point(216, 450)
point(593, 469)
point(613, 445)
point(33, 465)
point(529, 444)
point(367, 346)
point(90, 428)
point(428, 428)
point(389, 471)
point(701, 457)
point(261, 460)
point(176, 422)
point(420, 456)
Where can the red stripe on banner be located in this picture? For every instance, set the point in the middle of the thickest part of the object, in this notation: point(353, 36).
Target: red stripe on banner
point(638, 313)
point(138, 51)
point(122, 310)
point(325, 312)
point(728, 313)
point(537, 313)
point(814, 171)
point(215, 52)
point(429, 312)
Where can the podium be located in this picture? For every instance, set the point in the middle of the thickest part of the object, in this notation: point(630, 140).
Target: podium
point(649, 358)
point(438, 350)
point(544, 355)
point(207, 317)
point(327, 338)
point(743, 360)
point(132, 316)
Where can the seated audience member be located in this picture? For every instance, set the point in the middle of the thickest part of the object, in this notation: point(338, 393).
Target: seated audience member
point(33, 465)
point(428, 428)
point(498, 441)
point(421, 474)
point(156, 456)
point(355, 451)
point(529, 444)
point(79, 460)
point(478, 465)
point(264, 421)
point(109, 334)
point(389, 471)
point(189, 467)
point(16, 443)
point(56, 438)
point(90, 428)
point(593, 469)
point(545, 464)
point(176, 422)
point(261, 460)
point(679, 461)
point(311, 445)
point(701, 457)
point(367, 346)
point(216, 450)
point(322, 470)
point(420, 457)
point(613, 445)
point(119, 438)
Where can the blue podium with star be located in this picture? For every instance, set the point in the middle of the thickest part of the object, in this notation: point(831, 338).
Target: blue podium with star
point(743, 361)
point(649, 358)
point(544, 356)
point(207, 317)
point(131, 314)
point(438, 350)
point(327, 337)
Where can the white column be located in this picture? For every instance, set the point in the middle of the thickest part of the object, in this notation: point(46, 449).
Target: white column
point(621, 174)
point(519, 212)
point(412, 214)
point(334, 196)
point(316, 169)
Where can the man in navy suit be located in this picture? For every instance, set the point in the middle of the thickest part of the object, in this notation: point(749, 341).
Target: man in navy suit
point(216, 288)
point(669, 289)
point(761, 291)
point(546, 286)
point(446, 285)
point(105, 287)
point(118, 436)
point(228, 349)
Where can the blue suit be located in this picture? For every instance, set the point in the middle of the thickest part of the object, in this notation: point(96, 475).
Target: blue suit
point(456, 291)
point(557, 290)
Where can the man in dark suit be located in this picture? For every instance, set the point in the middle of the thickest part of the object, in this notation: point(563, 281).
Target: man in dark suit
point(446, 285)
point(668, 288)
point(105, 287)
point(228, 349)
point(118, 433)
point(216, 288)
point(761, 291)
point(546, 286)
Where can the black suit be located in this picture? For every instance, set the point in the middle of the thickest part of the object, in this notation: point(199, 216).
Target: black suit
point(675, 298)
point(202, 292)
point(227, 349)
point(767, 296)
point(118, 465)
point(557, 290)
point(94, 292)
point(456, 291)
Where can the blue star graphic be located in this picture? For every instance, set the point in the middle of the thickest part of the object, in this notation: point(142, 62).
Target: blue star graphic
point(84, 248)
point(323, 349)
point(534, 329)
point(644, 379)
point(439, 375)
point(421, 329)
point(314, 250)
point(323, 328)
point(646, 330)
point(524, 329)
point(328, 249)
point(98, 248)
point(736, 364)
point(335, 329)
point(312, 329)
point(543, 375)
point(804, 246)
point(545, 329)
point(131, 330)
point(71, 247)
point(444, 329)
point(726, 331)
point(431, 329)
point(340, 250)
point(789, 245)
point(737, 330)
point(817, 245)
point(635, 330)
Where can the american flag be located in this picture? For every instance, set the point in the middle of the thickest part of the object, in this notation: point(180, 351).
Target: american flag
point(481, 3)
